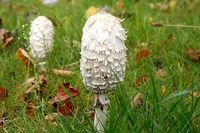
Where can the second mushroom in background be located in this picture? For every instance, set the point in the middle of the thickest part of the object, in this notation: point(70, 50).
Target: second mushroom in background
point(41, 39)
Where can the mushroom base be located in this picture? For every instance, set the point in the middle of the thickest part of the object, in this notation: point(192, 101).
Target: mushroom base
point(101, 112)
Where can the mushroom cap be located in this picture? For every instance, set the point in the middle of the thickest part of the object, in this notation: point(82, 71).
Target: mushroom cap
point(41, 37)
point(103, 53)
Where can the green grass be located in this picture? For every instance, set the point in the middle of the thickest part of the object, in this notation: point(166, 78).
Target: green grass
point(171, 112)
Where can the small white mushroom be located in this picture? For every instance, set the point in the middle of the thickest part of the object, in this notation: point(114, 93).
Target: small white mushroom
point(41, 39)
point(103, 58)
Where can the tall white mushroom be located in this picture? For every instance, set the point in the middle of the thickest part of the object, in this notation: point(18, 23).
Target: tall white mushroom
point(103, 58)
point(41, 39)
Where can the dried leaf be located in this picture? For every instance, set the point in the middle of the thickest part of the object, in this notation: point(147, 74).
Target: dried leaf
point(120, 5)
point(6, 37)
point(194, 54)
point(62, 96)
point(141, 80)
point(3, 93)
point(67, 108)
point(34, 85)
point(138, 100)
point(142, 54)
point(65, 98)
point(24, 57)
point(60, 72)
point(73, 91)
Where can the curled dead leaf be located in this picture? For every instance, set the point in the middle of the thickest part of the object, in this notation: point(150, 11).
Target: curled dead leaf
point(64, 97)
point(24, 57)
point(3, 93)
point(194, 54)
point(60, 72)
point(34, 85)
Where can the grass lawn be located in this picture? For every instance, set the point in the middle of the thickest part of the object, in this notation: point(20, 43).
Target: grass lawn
point(161, 89)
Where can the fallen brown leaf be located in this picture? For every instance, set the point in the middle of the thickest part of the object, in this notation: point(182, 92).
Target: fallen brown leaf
point(35, 85)
point(6, 37)
point(60, 72)
point(142, 54)
point(24, 57)
point(67, 108)
point(3, 93)
point(62, 96)
point(194, 54)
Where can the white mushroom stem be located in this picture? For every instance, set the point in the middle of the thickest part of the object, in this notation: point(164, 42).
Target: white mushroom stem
point(101, 112)
point(42, 66)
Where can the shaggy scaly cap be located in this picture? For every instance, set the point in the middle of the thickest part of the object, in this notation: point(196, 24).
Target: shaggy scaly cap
point(41, 37)
point(103, 53)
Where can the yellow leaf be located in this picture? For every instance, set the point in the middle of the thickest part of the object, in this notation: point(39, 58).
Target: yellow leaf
point(91, 11)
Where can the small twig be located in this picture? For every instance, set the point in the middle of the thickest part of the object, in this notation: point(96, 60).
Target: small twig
point(181, 26)
point(159, 24)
